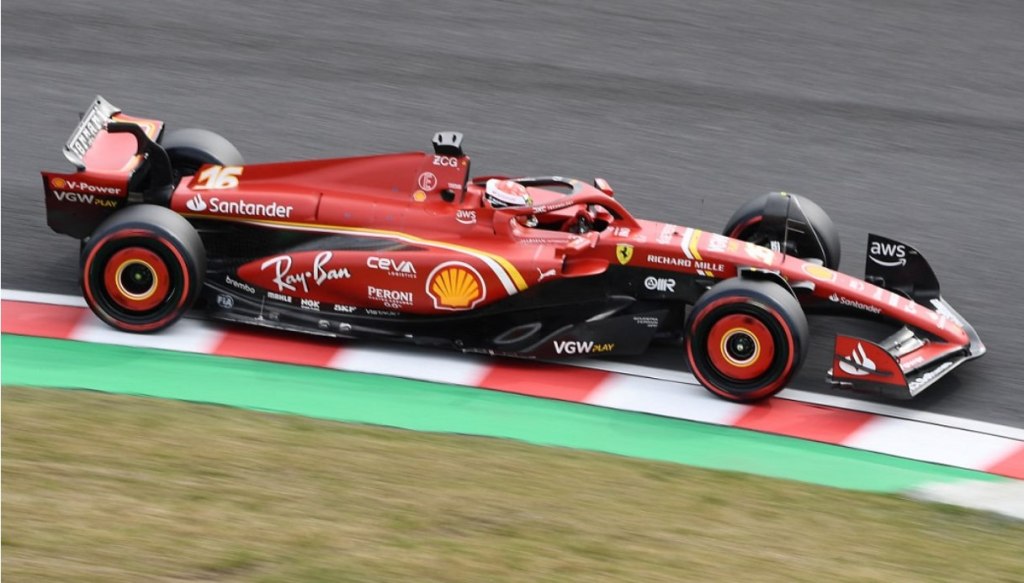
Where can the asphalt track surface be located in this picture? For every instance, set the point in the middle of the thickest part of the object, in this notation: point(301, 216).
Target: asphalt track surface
point(905, 119)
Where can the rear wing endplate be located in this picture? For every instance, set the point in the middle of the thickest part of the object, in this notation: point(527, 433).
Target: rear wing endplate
point(93, 121)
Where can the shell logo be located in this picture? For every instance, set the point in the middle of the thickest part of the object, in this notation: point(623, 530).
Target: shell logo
point(59, 182)
point(455, 285)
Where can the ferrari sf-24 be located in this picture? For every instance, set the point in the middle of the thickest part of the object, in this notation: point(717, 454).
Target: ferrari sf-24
point(408, 247)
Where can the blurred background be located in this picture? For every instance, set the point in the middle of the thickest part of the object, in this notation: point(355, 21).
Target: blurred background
point(905, 119)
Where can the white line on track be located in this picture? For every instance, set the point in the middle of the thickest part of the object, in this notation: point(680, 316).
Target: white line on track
point(42, 298)
point(184, 336)
point(664, 398)
point(837, 401)
point(931, 443)
point(448, 368)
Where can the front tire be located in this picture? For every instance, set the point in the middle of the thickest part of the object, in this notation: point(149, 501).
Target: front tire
point(749, 223)
point(745, 339)
point(143, 268)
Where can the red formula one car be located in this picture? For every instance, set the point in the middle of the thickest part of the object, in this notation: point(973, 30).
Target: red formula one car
point(408, 247)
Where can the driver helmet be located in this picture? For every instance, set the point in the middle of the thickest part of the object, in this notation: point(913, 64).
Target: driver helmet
point(504, 193)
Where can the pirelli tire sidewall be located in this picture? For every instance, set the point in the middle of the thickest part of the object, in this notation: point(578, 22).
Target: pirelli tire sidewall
point(745, 339)
point(143, 268)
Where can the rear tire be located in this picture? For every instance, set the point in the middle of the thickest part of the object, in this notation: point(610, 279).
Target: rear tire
point(748, 224)
point(191, 148)
point(143, 268)
point(745, 339)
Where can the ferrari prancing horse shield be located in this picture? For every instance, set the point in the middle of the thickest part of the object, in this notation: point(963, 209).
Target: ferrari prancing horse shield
point(624, 252)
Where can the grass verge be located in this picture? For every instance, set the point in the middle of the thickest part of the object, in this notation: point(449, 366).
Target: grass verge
point(118, 488)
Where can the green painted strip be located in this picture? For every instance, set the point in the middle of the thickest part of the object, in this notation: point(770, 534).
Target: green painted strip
point(424, 406)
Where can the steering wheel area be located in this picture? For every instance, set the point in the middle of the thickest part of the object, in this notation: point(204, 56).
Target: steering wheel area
point(566, 204)
point(586, 215)
point(583, 221)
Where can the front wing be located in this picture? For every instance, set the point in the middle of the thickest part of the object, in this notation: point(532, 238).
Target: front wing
point(909, 361)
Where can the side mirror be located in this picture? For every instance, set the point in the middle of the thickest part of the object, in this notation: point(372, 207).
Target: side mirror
point(602, 185)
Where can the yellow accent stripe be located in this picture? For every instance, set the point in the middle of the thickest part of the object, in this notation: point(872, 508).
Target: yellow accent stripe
point(693, 245)
point(517, 278)
point(696, 254)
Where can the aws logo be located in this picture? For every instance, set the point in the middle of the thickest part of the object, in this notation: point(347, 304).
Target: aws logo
point(455, 285)
point(888, 254)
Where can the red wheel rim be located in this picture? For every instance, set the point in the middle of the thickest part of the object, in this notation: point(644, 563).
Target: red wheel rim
point(740, 347)
point(136, 279)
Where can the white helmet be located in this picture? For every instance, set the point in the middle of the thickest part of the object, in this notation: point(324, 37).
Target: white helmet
point(503, 193)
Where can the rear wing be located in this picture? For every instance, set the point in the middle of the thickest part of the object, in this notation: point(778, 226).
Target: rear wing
point(94, 144)
point(114, 154)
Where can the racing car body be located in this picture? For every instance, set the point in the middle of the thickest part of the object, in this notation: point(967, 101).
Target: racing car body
point(408, 247)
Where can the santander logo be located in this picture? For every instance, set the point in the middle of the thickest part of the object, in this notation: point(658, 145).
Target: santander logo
point(272, 210)
point(864, 365)
point(196, 204)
